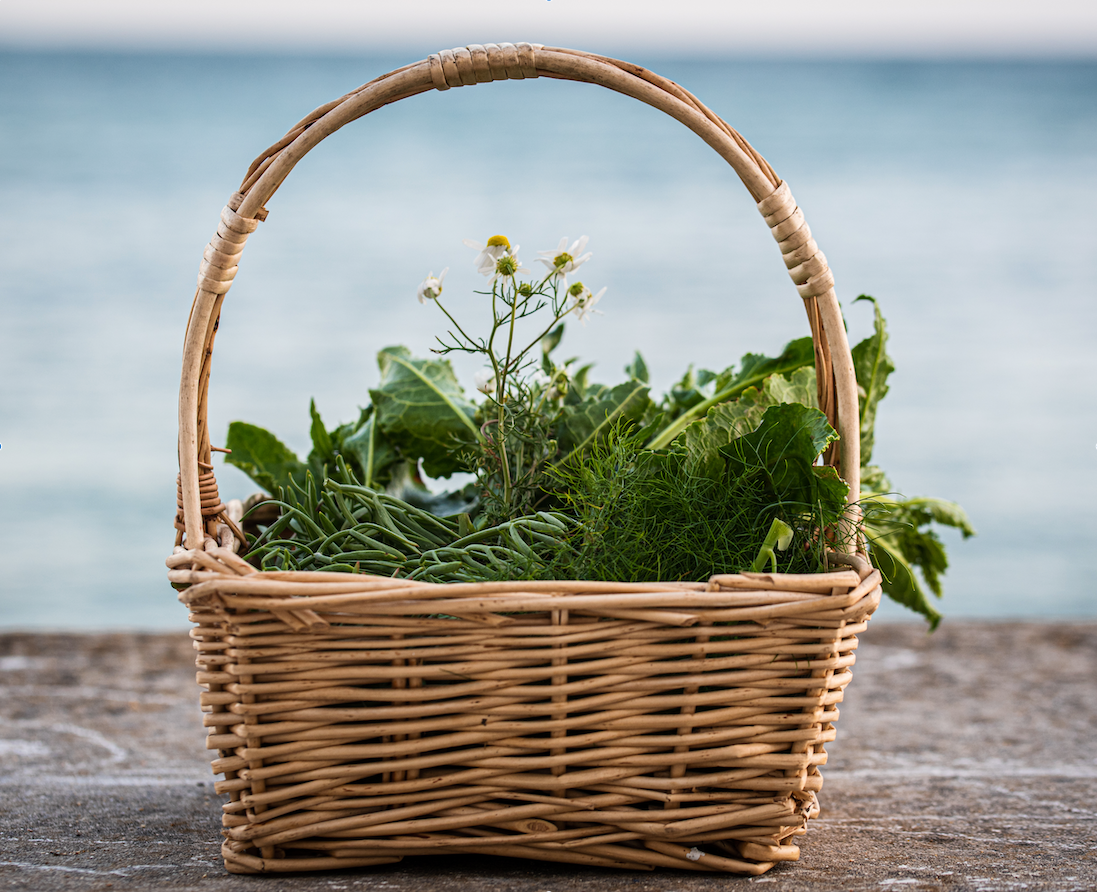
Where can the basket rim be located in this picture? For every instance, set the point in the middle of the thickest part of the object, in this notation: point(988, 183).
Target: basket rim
point(200, 505)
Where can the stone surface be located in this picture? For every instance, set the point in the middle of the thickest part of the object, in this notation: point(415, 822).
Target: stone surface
point(964, 761)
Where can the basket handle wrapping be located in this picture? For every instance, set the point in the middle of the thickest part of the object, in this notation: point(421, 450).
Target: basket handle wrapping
point(199, 502)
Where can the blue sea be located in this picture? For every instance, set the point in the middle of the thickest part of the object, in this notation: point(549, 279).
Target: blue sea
point(960, 194)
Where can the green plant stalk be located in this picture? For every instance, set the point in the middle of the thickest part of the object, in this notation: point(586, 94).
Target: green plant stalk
point(557, 316)
point(457, 325)
point(500, 439)
point(367, 471)
point(780, 535)
point(664, 439)
point(501, 387)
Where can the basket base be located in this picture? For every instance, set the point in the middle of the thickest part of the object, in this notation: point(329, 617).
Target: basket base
point(755, 859)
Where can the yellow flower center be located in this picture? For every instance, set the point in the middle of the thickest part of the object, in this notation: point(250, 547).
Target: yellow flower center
point(499, 240)
point(576, 290)
point(562, 260)
point(506, 266)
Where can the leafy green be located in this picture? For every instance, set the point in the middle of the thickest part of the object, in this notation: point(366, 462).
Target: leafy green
point(421, 407)
point(323, 450)
point(647, 514)
point(726, 421)
point(755, 368)
point(693, 388)
point(583, 423)
point(902, 544)
point(872, 366)
point(262, 456)
point(781, 454)
point(550, 342)
point(900, 583)
point(638, 369)
point(900, 541)
point(370, 452)
point(677, 489)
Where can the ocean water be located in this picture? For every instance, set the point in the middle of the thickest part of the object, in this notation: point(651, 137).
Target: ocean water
point(959, 194)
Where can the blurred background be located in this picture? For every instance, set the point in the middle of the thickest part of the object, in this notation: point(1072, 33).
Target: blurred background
point(945, 156)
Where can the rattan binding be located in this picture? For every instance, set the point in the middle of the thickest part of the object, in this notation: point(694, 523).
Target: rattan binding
point(360, 719)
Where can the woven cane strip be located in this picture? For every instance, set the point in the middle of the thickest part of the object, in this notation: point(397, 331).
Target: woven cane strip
point(211, 504)
point(806, 264)
point(219, 262)
point(478, 754)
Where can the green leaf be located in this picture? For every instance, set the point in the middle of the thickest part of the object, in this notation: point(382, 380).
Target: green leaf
point(578, 382)
point(874, 480)
point(799, 387)
point(872, 366)
point(924, 509)
point(552, 340)
point(899, 582)
point(422, 408)
point(321, 440)
point(323, 451)
point(372, 452)
point(900, 542)
point(262, 456)
point(704, 438)
point(586, 422)
point(755, 368)
point(783, 449)
point(638, 369)
point(686, 393)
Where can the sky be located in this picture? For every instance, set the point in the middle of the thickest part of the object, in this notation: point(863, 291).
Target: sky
point(802, 27)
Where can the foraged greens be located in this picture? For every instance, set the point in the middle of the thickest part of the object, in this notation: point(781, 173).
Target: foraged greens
point(575, 479)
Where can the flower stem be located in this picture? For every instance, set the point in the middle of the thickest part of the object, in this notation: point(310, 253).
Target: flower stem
point(468, 340)
point(500, 411)
point(537, 339)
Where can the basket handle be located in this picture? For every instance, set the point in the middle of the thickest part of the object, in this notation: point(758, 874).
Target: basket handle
point(199, 503)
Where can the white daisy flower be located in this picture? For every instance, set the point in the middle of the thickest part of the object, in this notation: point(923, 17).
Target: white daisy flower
point(565, 260)
point(431, 287)
point(507, 266)
point(489, 255)
point(584, 301)
point(484, 381)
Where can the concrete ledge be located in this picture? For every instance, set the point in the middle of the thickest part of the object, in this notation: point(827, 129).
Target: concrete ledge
point(964, 760)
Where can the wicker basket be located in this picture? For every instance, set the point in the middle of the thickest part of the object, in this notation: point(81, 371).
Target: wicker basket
point(360, 719)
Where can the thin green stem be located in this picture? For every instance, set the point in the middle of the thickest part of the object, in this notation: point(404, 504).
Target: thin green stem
point(457, 325)
point(500, 411)
point(539, 337)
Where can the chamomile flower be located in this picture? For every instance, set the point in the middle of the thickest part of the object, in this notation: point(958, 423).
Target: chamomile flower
point(484, 381)
point(431, 287)
point(497, 258)
point(565, 260)
point(584, 301)
point(507, 266)
point(489, 255)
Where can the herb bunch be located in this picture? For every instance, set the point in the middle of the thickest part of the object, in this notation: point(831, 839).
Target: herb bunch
point(577, 479)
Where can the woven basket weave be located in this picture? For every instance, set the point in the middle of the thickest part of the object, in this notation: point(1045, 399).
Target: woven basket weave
point(360, 719)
